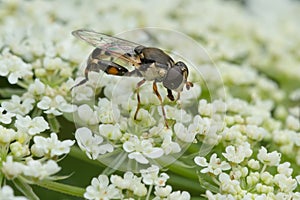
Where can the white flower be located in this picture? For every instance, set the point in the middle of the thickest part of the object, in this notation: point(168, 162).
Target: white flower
point(129, 182)
point(255, 133)
point(91, 144)
point(180, 195)
point(17, 105)
point(205, 109)
point(144, 118)
point(14, 67)
point(87, 115)
point(7, 135)
point(12, 169)
point(285, 169)
point(218, 196)
point(151, 176)
point(122, 183)
point(109, 131)
point(267, 178)
point(18, 149)
point(82, 93)
point(293, 123)
point(270, 159)
point(253, 178)
point(31, 126)
point(56, 105)
point(253, 164)
point(37, 88)
point(228, 185)
point(169, 146)
point(50, 146)
point(199, 126)
point(100, 189)
point(182, 133)
point(6, 193)
point(236, 105)
point(161, 192)
point(40, 171)
point(215, 166)
point(239, 153)
point(107, 111)
point(142, 149)
point(264, 188)
point(5, 117)
point(286, 184)
point(178, 115)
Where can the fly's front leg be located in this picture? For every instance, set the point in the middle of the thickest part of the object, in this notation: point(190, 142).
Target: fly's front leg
point(161, 102)
point(138, 97)
point(170, 95)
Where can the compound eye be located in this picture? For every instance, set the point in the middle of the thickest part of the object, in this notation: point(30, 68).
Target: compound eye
point(174, 78)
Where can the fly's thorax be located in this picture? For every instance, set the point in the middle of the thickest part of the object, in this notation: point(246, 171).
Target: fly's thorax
point(153, 72)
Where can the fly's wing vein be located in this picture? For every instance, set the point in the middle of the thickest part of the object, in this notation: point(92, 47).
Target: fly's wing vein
point(105, 42)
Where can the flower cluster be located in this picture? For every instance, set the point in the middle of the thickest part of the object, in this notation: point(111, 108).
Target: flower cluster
point(252, 179)
point(234, 135)
point(131, 186)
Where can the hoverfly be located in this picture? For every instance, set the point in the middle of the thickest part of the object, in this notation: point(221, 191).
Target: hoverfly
point(150, 63)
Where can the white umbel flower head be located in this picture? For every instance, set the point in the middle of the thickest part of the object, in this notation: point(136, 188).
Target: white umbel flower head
point(87, 115)
point(6, 193)
point(56, 106)
point(239, 153)
point(130, 182)
point(12, 169)
point(37, 88)
point(101, 189)
point(17, 105)
point(31, 126)
point(7, 135)
point(109, 131)
point(228, 185)
point(50, 146)
point(14, 67)
point(162, 192)
point(177, 195)
point(91, 144)
point(151, 176)
point(5, 118)
point(140, 150)
point(215, 166)
point(270, 159)
point(40, 171)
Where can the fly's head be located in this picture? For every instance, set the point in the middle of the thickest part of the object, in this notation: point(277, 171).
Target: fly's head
point(176, 77)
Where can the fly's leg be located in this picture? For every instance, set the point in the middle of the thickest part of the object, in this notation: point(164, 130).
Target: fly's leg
point(161, 102)
point(178, 96)
point(170, 95)
point(138, 97)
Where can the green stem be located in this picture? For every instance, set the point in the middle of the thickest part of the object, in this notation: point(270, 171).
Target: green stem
point(25, 188)
point(177, 168)
point(185, 184)
point(263, 168)
point(63, 188)
point(149, 192)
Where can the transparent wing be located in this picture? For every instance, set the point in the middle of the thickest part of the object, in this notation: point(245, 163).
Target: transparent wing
point(111, 44)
